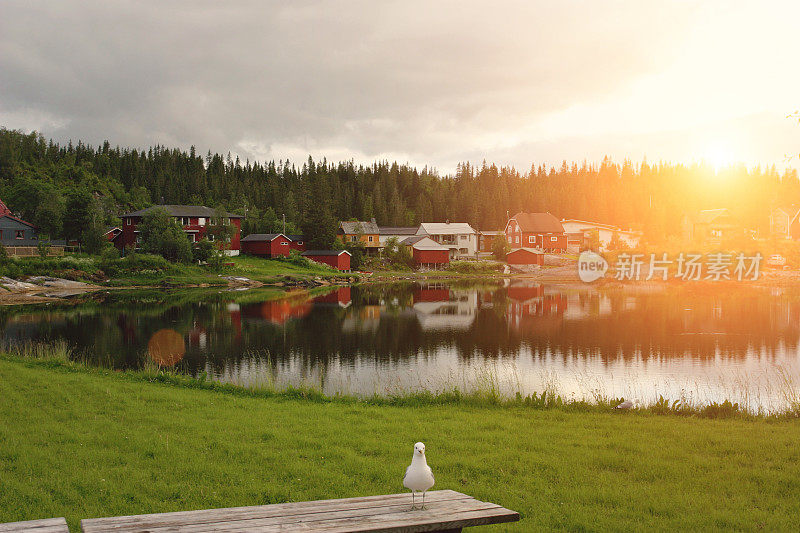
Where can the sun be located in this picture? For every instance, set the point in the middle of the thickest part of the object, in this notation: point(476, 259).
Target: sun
point(718, 155)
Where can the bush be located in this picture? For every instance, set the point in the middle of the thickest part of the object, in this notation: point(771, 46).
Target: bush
point(474, 267)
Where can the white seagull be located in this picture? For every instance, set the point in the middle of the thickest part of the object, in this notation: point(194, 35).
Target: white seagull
point(419, 477)
point(627, 404)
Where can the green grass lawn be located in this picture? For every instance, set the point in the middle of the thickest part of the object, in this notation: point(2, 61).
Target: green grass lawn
point(80, 444)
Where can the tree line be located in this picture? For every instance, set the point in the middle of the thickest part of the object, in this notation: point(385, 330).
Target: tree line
point(73, 190)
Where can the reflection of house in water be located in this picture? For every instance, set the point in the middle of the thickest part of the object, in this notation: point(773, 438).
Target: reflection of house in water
point(277, 311)
point(338, 298)
point(438, 307)
point(589, 304)
point(198, 337)
point(533, 309)
point(362, 319)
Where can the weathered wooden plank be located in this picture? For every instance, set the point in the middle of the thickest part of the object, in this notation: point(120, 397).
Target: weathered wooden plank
point(384, 516)
point(48, 525)
point(263, 511)
point(445, 510)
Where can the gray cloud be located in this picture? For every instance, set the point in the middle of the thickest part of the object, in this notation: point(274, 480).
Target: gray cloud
point(431, 82)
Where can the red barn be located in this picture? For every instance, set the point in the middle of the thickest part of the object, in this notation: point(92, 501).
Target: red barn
point(525, 256)
point(536, 230)
point(194, 219)
point(339, 259)
point(266, 245)
point(297, 242)
point(426, 252)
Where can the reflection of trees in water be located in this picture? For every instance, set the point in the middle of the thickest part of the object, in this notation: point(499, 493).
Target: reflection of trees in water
point(395, 323)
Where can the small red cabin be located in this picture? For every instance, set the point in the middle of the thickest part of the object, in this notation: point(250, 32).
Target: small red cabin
point(525, 256)
point(536, 230)
point(426, 252)
point(338, 259)
point(266, 245)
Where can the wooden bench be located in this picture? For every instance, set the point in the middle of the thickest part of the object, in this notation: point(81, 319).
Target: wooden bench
point(49, 525)
point(445, 511)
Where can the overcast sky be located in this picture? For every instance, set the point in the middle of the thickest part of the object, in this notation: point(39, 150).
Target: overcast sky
point(429, 83)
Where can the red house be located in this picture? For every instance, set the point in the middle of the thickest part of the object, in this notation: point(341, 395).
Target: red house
point(339, 259)
point(525, 256)
point(195, 220)
point(266, 245)
point(536, 230)
point(297, 242)
point(426, 252)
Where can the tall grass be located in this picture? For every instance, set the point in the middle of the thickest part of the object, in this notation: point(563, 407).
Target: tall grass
point(486, 389)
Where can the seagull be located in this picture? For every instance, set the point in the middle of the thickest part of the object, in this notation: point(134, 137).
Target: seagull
point(419, 477)
point(627, 404)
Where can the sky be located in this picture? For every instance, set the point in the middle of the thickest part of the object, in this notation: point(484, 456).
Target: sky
point(429, 83)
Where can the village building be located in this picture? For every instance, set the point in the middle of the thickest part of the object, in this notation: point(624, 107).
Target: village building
point(338, 259)
point(579, 233)
point(400, 233)
point(266, 245)
point(20, 237)
point(542, 231)
point(458, 237)
point(486, 240)
point(711, 225)
point(784, 222)
point(194, 219)
point(297, 242)
point(525, 256)
point(112, 233)
point(427, 253)
point(358, 231)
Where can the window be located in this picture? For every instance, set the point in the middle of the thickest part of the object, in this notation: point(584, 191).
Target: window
point(353, 238)
point(463, 237)
point(299, 242)
point(127, 222)
point(516, 239)
point(210, 237)
point(370, 238)
point(284, 244)
point(201, 221)
point(531, 239)
point(553, 239)
point(20, 234)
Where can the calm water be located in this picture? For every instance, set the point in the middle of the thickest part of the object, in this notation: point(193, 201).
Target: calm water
point(680, 342)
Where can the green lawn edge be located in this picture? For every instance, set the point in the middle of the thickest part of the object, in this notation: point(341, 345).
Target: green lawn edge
point(80, 443)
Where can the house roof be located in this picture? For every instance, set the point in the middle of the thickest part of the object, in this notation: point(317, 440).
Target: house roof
point(261, 237)
point(199, 211)
point(538, 223)
point(353, 227)
point(394, 230)
point(423, 242)
point(598, 225)
point(491, 232)
point(12, 217)
point(529, 250)
point(6, 212)
point(295, 238)
point(708, 216)
point(445, 228)
point(325, 252)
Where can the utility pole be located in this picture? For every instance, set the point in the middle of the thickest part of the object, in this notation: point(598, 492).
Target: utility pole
point(284, 223)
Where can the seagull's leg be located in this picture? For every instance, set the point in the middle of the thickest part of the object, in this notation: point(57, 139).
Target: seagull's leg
point(412, 500)
point(423, 499)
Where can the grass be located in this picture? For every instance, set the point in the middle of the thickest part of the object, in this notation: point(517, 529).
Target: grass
point(80, 442)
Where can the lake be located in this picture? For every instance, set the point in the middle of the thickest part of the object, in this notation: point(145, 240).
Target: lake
point(700, 343)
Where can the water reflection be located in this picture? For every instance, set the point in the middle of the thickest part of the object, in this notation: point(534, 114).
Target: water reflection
point(696, 342)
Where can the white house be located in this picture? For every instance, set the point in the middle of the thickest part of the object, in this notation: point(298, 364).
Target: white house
point(605, 232)
point(459, 237)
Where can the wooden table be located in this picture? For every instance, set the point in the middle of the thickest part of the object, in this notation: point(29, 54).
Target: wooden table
point(49, 525)
point(445, 511)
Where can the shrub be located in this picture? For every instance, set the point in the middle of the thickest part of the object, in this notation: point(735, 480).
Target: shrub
point(474, 267)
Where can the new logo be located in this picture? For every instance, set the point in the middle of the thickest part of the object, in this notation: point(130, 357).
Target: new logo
point(591, 266)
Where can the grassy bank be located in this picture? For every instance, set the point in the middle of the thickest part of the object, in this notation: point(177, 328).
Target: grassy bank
point(79, 442)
